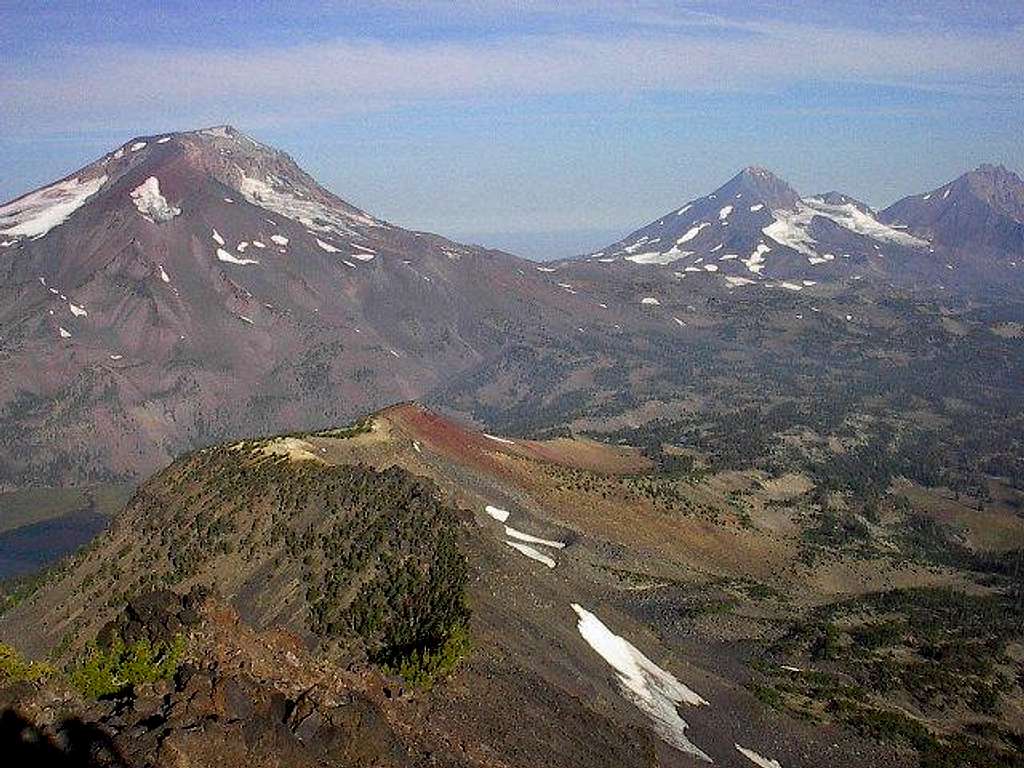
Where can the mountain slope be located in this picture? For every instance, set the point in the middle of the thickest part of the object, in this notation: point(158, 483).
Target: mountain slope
point(194, 286)
point(619, 614)
point(978, 218)
point(322, 535)
point(756, 227)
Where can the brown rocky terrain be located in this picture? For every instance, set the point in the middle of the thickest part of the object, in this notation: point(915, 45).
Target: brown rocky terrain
point(702, 573)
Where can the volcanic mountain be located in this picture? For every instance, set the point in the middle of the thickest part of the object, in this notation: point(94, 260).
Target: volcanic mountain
point(197, 285)
point(979, 217)
point(193, 287)
point(757, 228)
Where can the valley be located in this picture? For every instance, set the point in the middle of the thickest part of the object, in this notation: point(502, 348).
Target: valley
point(745, 487)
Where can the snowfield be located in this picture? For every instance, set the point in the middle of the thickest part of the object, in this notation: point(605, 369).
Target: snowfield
point(791, 228)
point(655, 257)
point(755, 263)
point(650, 688)
point(36, 213)
point(275, 195)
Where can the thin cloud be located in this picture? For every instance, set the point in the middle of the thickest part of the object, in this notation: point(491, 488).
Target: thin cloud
point(355, 75)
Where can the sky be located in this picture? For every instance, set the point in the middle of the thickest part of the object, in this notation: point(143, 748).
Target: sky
point(546, 128)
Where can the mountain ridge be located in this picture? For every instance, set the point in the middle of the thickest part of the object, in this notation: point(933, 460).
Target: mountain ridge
point(191, 287)
point(756, 227)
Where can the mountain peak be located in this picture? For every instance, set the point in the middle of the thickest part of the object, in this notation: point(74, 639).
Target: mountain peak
point(759, 183)
point(991, 169)
point(998, 187)
point(758, 171)
point(980, 212)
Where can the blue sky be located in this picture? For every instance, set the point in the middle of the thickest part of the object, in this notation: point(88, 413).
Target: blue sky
point(548, 128)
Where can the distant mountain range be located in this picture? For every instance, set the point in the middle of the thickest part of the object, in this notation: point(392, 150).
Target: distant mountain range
point(756, 227)
point(197, 286)
point(743, 488)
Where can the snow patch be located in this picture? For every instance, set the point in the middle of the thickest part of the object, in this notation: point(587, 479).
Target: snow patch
point(692, 232)
point(137, 146)
point(650, 688)
point(279, 239)
point(163, 274)
point(755, 263)
point(152, 205)
point(512, 533)
point(650, 301)
point(35, 214)
point(756, 759)
point(497, 439)
point(217, 238)
point(756, 208)
point(499, 514)
point(326, 246)
point(532, 553)
point(230, 258)
point(77, 311)
point(724, 213)
point(735, 282)
point(64, 332)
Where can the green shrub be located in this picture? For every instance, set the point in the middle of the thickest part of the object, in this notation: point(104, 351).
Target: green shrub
point(106, 671)
point(422, 667)
point(16, 668)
